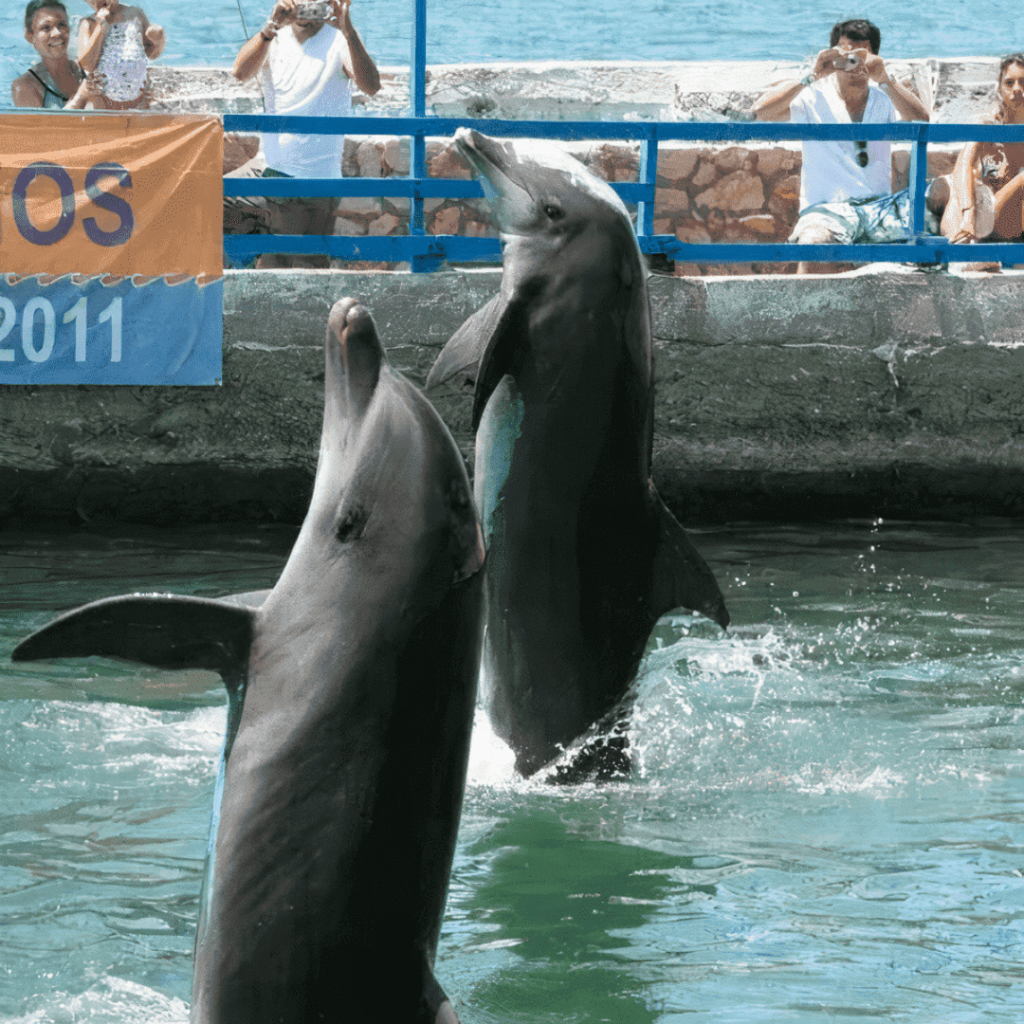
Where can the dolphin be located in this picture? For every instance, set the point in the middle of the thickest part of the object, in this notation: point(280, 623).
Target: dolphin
point(351, 693)
point(583, 556)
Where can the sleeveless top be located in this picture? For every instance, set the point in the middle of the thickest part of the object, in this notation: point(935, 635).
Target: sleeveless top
point(53, 98)
point(123, 62)
point(306, 78)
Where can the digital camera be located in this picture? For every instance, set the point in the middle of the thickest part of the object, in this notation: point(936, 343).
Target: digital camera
point(317, 10)
point(847, 61)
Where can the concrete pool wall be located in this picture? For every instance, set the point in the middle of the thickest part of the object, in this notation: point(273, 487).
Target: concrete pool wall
point(888, 392)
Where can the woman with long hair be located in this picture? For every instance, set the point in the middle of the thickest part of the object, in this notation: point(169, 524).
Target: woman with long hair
point(987, 184)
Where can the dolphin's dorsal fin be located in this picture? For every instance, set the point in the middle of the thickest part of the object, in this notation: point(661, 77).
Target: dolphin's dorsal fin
point(681, 578)
point(163, 630)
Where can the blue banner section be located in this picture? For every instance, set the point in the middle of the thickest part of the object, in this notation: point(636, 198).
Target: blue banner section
point(78, 330)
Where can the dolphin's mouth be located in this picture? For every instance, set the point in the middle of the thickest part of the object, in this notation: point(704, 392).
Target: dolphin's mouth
point(511, 203)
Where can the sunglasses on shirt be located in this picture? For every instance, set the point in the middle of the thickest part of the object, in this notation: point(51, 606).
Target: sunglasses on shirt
point(862, 152)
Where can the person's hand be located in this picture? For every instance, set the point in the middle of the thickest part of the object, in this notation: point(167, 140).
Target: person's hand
point(875, 67)
point(967, 232)
point(283, 13)
point(153, 41)
point(825, 62)
point(342, 19)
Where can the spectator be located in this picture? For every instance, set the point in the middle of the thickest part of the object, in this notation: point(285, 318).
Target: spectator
point(306, 56)
point(55, 81)
point(117, 45)
point(846, 186)
point(986, 188)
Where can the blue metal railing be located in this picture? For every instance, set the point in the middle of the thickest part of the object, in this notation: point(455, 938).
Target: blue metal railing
point(427, 252)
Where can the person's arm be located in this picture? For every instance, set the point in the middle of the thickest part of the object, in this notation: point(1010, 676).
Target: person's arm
point(92, 32)
point(253, 54)
point(154, 39)
point(774, 104)
point(962, 182)
point(907, 105)
point(363, 70)
point(90, 89)
point(27, 91)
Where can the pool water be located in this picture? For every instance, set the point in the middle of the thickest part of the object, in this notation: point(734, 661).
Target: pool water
point(826, 821)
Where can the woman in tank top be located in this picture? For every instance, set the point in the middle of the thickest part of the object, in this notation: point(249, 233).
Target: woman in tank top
point(55, 81)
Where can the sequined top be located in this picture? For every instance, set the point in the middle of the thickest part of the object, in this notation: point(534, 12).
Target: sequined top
point(123, 62)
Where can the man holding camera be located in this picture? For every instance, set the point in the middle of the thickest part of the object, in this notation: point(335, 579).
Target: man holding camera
point(306, 55)
point(846, 186)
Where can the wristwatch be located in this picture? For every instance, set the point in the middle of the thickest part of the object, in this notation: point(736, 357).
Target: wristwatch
point(273, 28)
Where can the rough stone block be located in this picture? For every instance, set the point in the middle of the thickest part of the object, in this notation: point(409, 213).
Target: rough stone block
point(734, 158)
point(396, 157)
point(238, 150)
point(448, 164)
point(735, 193)
point(760, 224)
point(676, 164)
point(370, 160)
point(364, 207)
point(773, 162)
point(388, 224)
point(343, 226)
point(693, 232)
point(446, 221)
point(706, 174)
point(671, 202)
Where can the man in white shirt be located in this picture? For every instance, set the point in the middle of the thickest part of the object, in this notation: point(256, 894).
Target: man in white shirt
point(846, 186)
point(306, 63)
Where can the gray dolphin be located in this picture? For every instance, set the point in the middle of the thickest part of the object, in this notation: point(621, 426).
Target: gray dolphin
point(351, 695)
point(583, 556)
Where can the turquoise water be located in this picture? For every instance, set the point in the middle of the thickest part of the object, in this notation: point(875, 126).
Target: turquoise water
point(468, 30)
point(826, 824)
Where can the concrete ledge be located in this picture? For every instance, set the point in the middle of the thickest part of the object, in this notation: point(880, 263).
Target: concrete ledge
point(891, 392)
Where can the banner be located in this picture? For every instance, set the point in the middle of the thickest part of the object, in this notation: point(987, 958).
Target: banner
point(111, 229)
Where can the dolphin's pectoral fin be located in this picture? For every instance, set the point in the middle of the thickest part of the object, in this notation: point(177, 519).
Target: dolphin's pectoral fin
point(465, 347)
point(163, 630)
point(681, 578)
point(505, 347)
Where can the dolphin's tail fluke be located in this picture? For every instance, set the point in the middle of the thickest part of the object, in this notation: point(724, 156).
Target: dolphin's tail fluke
point(681, 577)
point(163, 630)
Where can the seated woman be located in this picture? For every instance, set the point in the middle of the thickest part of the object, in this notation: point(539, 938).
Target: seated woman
point(986, 193)
point(55, 81)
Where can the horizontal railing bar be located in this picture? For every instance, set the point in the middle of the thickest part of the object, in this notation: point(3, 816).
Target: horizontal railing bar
point(392, 248)
point(933, 250)
point(403, 247)
point(409, 188)
point(393, 187)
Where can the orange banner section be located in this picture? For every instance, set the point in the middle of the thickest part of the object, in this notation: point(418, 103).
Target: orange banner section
point(111, 193)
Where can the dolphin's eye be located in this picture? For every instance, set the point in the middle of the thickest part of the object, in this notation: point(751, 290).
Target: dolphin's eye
point(351, 525)
point(553, 212)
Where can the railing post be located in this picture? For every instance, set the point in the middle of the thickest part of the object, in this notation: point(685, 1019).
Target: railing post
point(648, 176)
point(918, 178)
point(418, 141)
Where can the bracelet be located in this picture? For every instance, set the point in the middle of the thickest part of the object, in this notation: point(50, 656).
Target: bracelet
point(808, 79)
point(273, 26)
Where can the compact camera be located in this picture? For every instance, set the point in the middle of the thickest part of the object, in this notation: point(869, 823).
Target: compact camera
point(318, 10)
point(847, 61)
